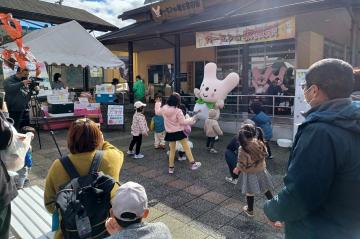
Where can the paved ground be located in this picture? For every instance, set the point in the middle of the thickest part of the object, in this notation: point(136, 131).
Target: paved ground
point(194, 204)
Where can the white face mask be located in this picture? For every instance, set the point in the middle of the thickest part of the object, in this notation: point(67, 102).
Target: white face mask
point(306, 98)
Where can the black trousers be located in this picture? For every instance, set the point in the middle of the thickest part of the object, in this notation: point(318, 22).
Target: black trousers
point(210, 142)
point(268, 148)
point(136, 140)
point(231, 160)
point(5, 215)
point(21, 118)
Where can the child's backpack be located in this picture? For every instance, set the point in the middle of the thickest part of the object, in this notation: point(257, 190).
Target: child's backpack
point(84, 201)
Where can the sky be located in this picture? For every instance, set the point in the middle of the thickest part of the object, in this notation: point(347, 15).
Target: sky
point(105, 9)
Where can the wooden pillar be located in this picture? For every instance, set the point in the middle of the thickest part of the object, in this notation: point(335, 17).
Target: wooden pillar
point(177, 63)
point(131, 71)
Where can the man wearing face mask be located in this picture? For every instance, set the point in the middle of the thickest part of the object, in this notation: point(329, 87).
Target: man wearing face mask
point(320, 199)
point(17, 97)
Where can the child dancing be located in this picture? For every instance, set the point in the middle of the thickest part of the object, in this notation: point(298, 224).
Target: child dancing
point(174, 125)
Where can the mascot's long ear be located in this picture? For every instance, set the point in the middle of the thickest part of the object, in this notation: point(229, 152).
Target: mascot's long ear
point(210, 71)
point(230, 82)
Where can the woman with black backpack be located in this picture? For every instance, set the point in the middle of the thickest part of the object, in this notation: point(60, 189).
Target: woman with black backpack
point(80, 185)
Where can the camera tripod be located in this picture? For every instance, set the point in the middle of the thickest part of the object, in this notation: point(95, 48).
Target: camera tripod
point(39, 113)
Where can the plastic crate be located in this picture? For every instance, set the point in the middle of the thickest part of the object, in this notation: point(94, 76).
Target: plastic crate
point(105, 98)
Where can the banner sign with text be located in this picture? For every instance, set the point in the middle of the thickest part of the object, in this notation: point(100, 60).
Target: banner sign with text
point(271, 31)
point(175, 8)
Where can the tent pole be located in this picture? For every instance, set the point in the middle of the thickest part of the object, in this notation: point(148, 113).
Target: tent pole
point(86, 78)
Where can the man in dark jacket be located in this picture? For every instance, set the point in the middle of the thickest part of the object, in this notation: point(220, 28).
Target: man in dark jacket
point(320, 199)
point(263, 121)
point(17, 97)
point(7, 185)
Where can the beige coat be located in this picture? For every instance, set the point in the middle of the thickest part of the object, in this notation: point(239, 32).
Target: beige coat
point(211, 127)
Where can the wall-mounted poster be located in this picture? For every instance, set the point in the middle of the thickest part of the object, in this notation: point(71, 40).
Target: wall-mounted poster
point(124, 69)
point(115, 115)
point(300, 105)
point(44, 83)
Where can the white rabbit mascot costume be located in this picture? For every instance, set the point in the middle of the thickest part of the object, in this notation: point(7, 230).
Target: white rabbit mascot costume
point(213, 92)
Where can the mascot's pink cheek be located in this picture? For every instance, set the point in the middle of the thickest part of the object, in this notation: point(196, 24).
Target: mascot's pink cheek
point(212, 95)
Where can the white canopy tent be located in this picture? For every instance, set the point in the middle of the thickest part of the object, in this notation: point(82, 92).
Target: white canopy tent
point(68, 44)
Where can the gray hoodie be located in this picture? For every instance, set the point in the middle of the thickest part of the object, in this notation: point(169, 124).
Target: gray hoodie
point(143, 230)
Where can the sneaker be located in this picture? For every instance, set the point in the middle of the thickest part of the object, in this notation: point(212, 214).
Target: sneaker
point(247, 212)
point(183, 158)
point(231, 180)
point(270, 157)
point(26, 182)
point(171, 170)
point(156, 147)
point(195, 165)
point(130, 152)
point(138, 156)
point(213, 151)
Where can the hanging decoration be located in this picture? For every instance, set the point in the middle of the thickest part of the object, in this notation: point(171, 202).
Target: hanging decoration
point(22, 55)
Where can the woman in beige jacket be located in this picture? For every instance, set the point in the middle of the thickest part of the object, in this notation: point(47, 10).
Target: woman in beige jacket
point(212, 130)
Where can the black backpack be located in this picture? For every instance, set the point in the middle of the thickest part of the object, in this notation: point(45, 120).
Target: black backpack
point(84, 201)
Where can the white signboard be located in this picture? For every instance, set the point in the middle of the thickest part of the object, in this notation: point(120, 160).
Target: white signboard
point(115, 115)
point(300, 105)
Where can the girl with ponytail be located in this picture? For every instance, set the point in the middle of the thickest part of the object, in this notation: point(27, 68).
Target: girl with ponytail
point(254, 178)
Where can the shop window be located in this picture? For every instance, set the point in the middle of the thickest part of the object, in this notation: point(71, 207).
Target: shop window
point(96, 77)
point(159, 76)
point(335, 50)
point(71, 76)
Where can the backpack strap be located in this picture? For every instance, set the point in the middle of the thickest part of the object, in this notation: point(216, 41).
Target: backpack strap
point(69, 167)
point(96, 162)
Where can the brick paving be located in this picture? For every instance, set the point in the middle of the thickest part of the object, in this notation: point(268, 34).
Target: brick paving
point(193, 204)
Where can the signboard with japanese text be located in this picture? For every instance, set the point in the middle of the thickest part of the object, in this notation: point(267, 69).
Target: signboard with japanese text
point(175, 8)
point(270, 31)
point(115, 115)
point(300, 105)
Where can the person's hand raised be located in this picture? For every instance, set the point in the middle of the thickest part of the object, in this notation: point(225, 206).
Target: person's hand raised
point(158, 99)
point(26, 82)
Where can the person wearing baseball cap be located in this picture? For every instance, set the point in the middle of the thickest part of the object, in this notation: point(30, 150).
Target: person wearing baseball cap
point(129, 208)
point(138, 129)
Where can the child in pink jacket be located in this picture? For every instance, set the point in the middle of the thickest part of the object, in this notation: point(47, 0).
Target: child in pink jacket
point(138, 129)
point(175, 121)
